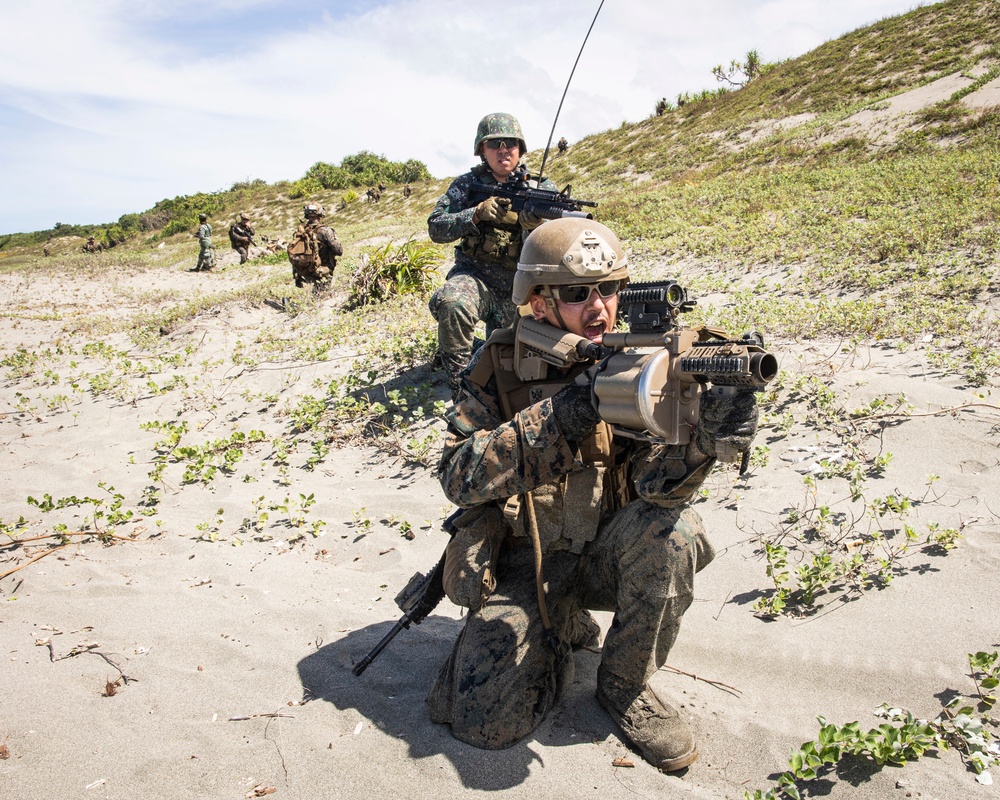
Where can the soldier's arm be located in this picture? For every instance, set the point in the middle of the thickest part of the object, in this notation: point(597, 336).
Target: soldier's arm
point(451, 218)
point(329, 235)
point(486, 459)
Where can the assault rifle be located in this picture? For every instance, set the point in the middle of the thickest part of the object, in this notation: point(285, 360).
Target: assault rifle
point(418, 598)
point(650, 378)
point(522, 192)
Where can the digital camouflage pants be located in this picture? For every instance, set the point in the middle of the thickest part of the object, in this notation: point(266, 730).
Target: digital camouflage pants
point(206, 258)
point(458, 306)
point(501, 678)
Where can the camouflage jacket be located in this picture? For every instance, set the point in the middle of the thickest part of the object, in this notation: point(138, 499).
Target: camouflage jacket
point(205, 235)
point(329, 246)
point(240, 234)
point(489, 457)
point(489, 251)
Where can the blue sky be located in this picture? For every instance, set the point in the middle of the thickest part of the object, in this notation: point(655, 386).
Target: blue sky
point(107, 106)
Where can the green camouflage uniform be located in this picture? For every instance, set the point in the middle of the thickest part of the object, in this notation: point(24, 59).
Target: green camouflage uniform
point(616, 534)
point(206, 255)
point(479, 286)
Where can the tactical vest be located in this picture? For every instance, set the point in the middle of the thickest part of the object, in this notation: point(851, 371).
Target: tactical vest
point(494, 243)
point(570, 509)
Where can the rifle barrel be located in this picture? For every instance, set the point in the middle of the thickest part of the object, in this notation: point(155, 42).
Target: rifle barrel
point(364, 663)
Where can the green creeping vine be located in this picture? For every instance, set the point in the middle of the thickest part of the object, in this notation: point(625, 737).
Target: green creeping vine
point(902, 737)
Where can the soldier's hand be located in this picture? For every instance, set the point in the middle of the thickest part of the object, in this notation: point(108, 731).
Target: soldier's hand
point(574, 410)
point(495, 209)
point(726, 421)
point(529, 221)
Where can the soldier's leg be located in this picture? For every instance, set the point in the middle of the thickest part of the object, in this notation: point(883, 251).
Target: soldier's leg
point(642, 566)
point(499, 310)
point(244, 256)
point(457, 307)
point(502, 678)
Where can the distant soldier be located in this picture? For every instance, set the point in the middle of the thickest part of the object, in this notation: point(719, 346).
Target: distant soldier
point(661, 106)
point(45, 251)
point(92, 246)
point(241, 236)
point(407, 191)
point(206, 255)
point(563, 145)
point(382, 187)
point(371, 194)
point(314, 249)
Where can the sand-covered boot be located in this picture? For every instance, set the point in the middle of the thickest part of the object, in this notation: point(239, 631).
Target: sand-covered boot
point(653, 726)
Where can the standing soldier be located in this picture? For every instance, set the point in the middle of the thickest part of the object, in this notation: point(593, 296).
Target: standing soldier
point(314, 249)
point(407, 191)
point(206, 255)
point(241, 236)
point(563, 145)
point(489, 233)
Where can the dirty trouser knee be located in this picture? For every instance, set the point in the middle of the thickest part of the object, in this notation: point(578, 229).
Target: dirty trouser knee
point(457, 307)
point(642, 566)
point(501, 678)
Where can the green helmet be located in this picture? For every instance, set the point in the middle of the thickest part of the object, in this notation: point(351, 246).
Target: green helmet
point(203, 217)
point(498, 126)
point(566, 251)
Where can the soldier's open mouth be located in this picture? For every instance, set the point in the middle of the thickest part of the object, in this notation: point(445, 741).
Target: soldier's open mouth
point(595, 331)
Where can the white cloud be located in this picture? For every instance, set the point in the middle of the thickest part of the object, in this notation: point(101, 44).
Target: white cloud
point(122, 103)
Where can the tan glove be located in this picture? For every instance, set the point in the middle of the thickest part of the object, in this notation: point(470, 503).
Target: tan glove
point(529, 221)
point(496, 210)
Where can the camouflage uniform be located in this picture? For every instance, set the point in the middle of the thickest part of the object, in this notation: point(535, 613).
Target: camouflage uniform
point(240, 235)
point(616, 536)
point(329, 249)
point(206, 255)
point(479, 286)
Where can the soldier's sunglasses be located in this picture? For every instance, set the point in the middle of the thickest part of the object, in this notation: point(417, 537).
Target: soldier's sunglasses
point(496, 144)
point(580, 293)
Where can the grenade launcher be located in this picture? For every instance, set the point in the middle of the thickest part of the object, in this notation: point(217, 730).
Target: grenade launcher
point(650, 378)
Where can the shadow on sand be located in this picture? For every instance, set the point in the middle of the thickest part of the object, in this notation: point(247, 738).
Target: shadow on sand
point(391, 693)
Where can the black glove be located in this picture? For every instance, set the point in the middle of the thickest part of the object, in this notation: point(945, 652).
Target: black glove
point(726, 419)
point(574, 410)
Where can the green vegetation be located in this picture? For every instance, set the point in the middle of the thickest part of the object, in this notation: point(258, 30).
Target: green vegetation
point(902, 738)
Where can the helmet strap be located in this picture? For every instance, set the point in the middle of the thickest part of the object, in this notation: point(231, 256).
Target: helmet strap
point(550, 301)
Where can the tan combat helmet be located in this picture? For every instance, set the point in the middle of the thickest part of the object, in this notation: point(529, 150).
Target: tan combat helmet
point(567, 251)
point(203, 217)
point(244, 216)
point(498, 126)
point(313, 210)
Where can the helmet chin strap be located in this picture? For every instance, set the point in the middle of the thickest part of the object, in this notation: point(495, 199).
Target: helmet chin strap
point(550, 301)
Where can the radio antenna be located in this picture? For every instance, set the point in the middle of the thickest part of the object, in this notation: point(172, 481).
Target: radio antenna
point(548, 144)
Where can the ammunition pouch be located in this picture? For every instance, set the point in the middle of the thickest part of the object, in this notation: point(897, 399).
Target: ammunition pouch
point(471, 556)
point(494, 244)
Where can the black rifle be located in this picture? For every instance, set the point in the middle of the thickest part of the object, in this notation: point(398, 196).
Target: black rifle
point(522, 193)
point(418, 598)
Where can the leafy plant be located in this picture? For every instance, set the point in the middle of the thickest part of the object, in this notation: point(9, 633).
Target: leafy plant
point(393, 270)
point(901, 739)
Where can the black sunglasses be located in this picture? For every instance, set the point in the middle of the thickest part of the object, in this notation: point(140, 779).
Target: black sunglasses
point(496, 144)
point(580, 292)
